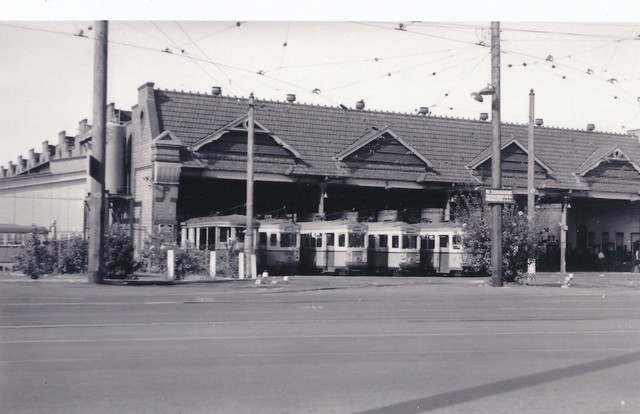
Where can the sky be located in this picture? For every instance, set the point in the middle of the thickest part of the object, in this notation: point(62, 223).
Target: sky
point(584, 67)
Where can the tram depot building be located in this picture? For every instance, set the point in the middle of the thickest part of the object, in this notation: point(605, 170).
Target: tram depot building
point(175, 156)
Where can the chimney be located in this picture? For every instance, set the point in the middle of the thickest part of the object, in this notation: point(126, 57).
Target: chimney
point(216, 91)
point(291, 98)
point(83, 126)
point(19, 165)
point(11, 169)
point(62, 149)
point(3, 172)
point(46, 152)
point(33, 159)
point(590, 127)
point(360, 105)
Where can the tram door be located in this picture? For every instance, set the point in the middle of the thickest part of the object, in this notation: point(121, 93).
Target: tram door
point(443, 253)
point(330, 252)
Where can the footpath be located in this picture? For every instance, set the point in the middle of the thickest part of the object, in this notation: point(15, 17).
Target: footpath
point(580, 280)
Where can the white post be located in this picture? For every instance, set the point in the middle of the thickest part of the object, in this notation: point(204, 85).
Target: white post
point(254, 267)
point(241, 265)
point(212, 264)
point(171, 265)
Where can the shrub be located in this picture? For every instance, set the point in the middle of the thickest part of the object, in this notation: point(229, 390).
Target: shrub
point(36, 258)
point(72, 255)
point(118, 254)
point(521, 240)
point(189, 261)
point(153, 257)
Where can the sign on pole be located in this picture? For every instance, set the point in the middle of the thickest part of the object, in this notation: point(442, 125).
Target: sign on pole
point(498, 196)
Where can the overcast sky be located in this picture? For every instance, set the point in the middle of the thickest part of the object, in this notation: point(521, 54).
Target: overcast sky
point(586, 70)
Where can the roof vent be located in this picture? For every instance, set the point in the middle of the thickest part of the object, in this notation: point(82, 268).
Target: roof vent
point(539, 121)
point(216, 91)
point(291, 98)
point(360, 104)
point(484, 116)
point(424, 110)
point(591, 127)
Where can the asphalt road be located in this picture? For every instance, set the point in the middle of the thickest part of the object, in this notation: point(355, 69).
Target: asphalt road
point(322, 345)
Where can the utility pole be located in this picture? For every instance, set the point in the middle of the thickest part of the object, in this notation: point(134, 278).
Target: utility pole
point(496, 162)
point(96, 171)
point(248, 236)
point(531, 190)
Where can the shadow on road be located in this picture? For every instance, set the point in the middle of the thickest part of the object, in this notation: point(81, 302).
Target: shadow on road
point(447, 399)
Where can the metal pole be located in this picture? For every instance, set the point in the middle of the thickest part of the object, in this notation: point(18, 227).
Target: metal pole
point(496, 174)
point(248, 236)
point(563, 237)
point(531, 190)
point(95, 177)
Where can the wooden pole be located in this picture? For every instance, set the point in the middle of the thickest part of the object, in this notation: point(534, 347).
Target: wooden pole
point(96, 219)
point(496, 173)
point(248, 236)
point(531, 183)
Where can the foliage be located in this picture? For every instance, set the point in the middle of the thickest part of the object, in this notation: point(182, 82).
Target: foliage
point(153, 257)
point(36, 259)
point(227, 259)
point(118, 254)
point(521, 240)
point(72, 255)
point(190, 261)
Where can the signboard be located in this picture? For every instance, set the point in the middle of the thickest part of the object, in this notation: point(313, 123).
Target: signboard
point(498, 196)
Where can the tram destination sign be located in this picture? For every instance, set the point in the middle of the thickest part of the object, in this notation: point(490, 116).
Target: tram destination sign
point(498, 196)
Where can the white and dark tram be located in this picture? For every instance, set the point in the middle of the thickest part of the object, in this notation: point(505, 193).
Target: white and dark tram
point(393, 248)
point(441, 249)
point(334, 246)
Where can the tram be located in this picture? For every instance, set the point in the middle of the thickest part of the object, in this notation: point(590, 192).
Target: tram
point(278, 249)
point(276, 242)
point(393, 248)
point(335, 246)
point(441, 250)
point(12, 239)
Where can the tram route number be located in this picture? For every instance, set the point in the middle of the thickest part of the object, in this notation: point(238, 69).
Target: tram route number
point(498, 196)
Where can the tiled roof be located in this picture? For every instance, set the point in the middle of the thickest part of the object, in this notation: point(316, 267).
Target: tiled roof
point(320, 133)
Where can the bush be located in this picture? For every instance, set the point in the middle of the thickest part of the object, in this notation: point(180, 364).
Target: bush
point(521, 240)
point(72, 255)
point(36, 259)
point(190, 261)
point(153, 257)
point(118, 254)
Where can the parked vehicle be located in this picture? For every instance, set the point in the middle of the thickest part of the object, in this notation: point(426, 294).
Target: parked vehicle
point(393, 248)
point(335, 246)
point(441, 250)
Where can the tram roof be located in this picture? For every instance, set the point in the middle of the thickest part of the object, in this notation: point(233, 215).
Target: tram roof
point(233, 220)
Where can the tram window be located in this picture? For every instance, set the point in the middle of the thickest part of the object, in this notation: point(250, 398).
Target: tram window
point(356, 240)
point(287, 240)
point(409, 242)
point(444, 241)
point(331, 239)
point(304, 240)
point(225, 232)
point(383, 241)
point(341, 240)
point(457, 241)
point(262, 239)
point(395, 242)
point(431, 242)
point(240, 234)
point(319, 240)
point(619, 242)
point(372, 241)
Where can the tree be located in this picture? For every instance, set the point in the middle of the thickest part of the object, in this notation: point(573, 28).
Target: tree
point(36, 259)
point(521, 239)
